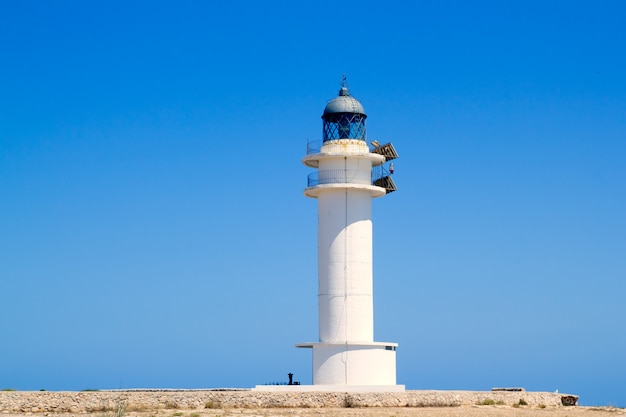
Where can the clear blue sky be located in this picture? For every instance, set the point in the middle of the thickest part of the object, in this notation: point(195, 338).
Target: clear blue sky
point(153, 230)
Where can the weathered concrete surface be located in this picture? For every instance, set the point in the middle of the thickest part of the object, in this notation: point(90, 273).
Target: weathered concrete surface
point(139, 400)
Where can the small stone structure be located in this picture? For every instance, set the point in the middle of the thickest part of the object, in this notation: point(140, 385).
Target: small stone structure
point(139, 400)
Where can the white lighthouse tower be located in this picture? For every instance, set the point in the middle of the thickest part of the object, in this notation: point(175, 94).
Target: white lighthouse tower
point(349, 174)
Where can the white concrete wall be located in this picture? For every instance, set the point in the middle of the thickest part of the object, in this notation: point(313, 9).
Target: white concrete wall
point(346, 354)
point(353, 365)
point(345, 146)
point(345, 292)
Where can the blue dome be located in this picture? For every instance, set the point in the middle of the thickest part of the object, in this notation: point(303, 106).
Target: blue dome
point(344, 103)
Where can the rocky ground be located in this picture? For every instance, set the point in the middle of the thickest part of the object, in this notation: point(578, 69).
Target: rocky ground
point(459, 411)
point(244, 403)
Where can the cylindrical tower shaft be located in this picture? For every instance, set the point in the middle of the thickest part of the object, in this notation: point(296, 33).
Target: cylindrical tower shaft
point(345, 266)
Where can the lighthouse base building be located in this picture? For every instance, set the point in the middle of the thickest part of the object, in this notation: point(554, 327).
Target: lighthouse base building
point(363, 366)
point(349, 174)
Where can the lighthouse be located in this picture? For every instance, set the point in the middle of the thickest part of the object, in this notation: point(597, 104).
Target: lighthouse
point(349, 173)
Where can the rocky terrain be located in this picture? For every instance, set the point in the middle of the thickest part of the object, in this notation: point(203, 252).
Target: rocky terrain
point(245, 403)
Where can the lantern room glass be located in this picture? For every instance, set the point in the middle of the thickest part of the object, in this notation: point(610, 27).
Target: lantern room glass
point(344, 126)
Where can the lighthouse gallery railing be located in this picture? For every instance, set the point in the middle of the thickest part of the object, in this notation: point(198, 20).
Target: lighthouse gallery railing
point(343, 176)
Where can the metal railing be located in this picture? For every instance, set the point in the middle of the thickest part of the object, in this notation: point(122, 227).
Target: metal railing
point(379, 172)
point(339, 176)
point(313, 146)
point(355, 145)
